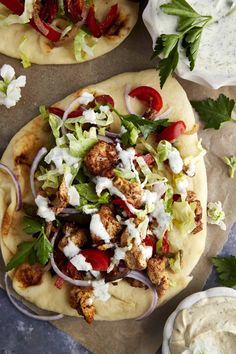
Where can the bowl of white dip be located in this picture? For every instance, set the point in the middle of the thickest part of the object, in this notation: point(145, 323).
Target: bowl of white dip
point(216, 61)
point(203, 323)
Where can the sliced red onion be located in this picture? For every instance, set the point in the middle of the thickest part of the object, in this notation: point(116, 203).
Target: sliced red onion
point(163, 115)
point(128, 100)
point(69, 109)
point(62, 275)
point(70, 211)
point(112, 135)
point(106, 139)
point(28, 312)
point(34, 167)
point(16, 183)
point(145, 280)
point(47, 267)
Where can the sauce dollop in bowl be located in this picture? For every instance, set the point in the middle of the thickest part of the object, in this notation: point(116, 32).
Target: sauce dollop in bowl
point(215, 65)
point(204, 322)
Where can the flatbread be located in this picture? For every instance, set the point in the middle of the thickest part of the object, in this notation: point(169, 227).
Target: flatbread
point(40, 50)
point(126, 301)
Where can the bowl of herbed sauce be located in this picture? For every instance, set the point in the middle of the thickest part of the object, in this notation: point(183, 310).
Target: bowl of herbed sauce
point(215, 63)
point(204, 322)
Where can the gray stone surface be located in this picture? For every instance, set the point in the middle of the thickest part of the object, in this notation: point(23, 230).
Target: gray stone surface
point(22, 335)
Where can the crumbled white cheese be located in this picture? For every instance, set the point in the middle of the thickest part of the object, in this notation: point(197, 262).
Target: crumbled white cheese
point(182, 185)
point(175, 161)
point(90, 116)
point(80, 263)
point(104, 109)
point(106, 183)
point(97, 227)
point(10, 88)
point(100, 290)
point(74, 197)
point(71, 250)
point(86, 98)
point(43, 209)
point(68, 178)
point(57, 155)
point(191, 169)
point(149, 197)
point(146, 251)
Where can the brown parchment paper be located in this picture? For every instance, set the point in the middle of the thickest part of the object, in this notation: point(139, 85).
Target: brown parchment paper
point(48, 84)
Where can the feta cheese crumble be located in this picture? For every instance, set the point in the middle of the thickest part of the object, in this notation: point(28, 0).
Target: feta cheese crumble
point(100, 290)
point(10, 88)
point(80, 263)
point(71, 250)
point(43, 209)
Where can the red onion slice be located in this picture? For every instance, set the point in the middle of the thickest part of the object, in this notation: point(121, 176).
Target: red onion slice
point(34, 166)
point(112, 135)
point(106, 139)
point(128, 100)
point(163, 115)
point(16, 183)
point(69, 109)
point(62, 275)
point(145, 280)
point(25, 311)
point(70, 211)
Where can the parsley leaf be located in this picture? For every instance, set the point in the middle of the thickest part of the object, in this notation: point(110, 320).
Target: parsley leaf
point(38, 250)
point(214, 112)
point(226, 269)
point(190, 27)
point(23, 251)
point(32, 225)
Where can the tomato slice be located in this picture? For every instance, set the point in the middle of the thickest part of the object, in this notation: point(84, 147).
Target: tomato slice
point(109, 19)
point(13, 5)
point(149, 95)
point(121, 203)
point(105, 99)
point(99, 259)
point(59, 112)
point(165, 244)
point(173, 131)
point(92, 23)
point(149, 242)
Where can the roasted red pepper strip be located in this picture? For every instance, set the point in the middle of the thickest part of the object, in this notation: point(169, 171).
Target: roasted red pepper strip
point(92, 24)
point(49, 11)
point(165, 244)
point(59, 282)
point(105, 99)
point(148, 95)
point(16, 7)
point(121, 203)
point(59, 112)
point(148, 158)
point(98, 259)
point(109, 19)
point(74, 9)
point(149, 242)
point(172, 132)
point(13, 5)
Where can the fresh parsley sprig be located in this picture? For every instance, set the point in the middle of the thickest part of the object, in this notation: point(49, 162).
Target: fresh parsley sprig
point(190, 27)
point(38, 250)
point(226, 269)
point(215, 112)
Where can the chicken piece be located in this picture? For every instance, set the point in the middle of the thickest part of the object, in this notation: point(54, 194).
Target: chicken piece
point(135, 259)
point(101, 159)
point(29, 275)
point(81, 300)
point(78, 236)
point(126, 238)
point(110, 223)
point(62, 198)
point(156, 270)
point(132, 191)
point(192, 198)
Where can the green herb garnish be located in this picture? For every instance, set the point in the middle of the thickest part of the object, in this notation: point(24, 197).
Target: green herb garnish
point(190, 27)
point(231, 162)
point(226, 269)
point(214, 112)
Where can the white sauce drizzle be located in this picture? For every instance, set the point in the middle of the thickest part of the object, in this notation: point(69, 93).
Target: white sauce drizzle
point(97, 227)
point(43, 209)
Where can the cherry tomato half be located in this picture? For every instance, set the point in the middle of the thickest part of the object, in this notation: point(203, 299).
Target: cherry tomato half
point(173, 131)
point(99, 260)
point(148, 95)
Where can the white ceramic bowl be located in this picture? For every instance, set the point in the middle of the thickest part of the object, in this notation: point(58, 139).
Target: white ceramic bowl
point(214, 69)
point(188, 302)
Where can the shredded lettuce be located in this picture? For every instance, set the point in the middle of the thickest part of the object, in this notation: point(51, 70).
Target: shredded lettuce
point(82, 142)
point(130, 133)
point(184, 217)
point(83, 46)
point(89, 198)
point(163, 149)
point(168, 199)
point(23, 18)
point(55, 123)
point(175, 261)
point(102, 120)
point(24, 58)
point(50, 178)
point(201, 152)
point(44, 112)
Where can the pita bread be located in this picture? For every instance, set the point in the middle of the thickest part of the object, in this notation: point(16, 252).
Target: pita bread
point(126, 301)
point(40, 50)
